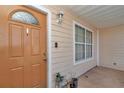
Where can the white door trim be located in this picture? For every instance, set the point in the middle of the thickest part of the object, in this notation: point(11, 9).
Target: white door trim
point(44, 10)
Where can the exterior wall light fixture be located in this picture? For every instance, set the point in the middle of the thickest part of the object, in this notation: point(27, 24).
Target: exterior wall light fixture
point(60, 17)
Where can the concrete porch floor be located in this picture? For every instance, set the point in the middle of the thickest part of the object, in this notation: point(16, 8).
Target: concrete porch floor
point(101, 77)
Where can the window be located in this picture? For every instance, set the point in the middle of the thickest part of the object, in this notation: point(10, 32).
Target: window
point(83, 43)
point(88, 44)
point(79, 43)
point(25, 17)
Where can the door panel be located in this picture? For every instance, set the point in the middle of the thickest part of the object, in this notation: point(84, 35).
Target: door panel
point(36, 57)
point(16, 55)
point(17, 77)
point(15, 62)
point(35, 41)
point(36, 75)
point(16, 40)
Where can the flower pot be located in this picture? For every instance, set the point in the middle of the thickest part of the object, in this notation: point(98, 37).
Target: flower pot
point(74, 83)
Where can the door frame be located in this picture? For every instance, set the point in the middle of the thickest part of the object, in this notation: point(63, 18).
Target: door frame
point(42, 9)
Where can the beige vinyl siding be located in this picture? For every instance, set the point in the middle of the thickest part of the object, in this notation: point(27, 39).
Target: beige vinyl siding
point(62, 57)
point(112, 47)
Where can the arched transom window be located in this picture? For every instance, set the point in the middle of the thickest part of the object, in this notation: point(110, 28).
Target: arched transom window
point(24, 17)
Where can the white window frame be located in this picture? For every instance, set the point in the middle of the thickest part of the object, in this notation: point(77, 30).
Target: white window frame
point(86, 59)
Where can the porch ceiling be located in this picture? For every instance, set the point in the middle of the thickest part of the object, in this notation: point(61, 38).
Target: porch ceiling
point(100, 16)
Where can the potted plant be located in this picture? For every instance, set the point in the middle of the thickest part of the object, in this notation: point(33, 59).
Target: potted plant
point(59, 79)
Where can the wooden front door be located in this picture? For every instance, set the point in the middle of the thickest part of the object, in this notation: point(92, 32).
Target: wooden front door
point(22, 48)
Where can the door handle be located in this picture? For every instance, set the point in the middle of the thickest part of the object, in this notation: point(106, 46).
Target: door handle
point(44, 58)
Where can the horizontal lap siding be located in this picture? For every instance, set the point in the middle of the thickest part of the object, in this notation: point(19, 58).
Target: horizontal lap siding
point(112, 47)
point(62, 57)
